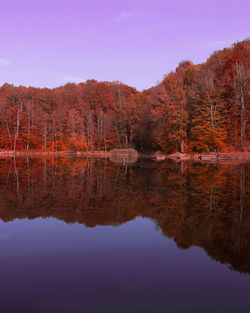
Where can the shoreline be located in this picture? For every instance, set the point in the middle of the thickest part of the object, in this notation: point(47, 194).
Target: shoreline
point(11, 153)
point(212, 156)
point(158, 157)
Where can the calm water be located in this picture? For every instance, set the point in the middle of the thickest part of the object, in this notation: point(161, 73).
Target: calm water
point(90, 236)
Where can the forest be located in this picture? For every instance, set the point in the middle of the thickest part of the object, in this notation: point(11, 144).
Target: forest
point(195, 109)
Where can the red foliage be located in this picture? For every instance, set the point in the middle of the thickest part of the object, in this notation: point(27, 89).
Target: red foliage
point(197, 108)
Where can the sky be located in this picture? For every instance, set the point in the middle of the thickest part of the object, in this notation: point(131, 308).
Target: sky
point(47, 43)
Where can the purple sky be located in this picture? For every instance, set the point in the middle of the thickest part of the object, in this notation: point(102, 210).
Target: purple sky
point(49, 42)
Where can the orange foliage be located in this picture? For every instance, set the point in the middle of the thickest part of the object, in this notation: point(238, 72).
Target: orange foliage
point(197, 108)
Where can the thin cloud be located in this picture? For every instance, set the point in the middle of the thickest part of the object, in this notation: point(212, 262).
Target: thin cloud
point(124, 15)
point(4, 62)
point(72, 79)
point(220, 43)
point(153, 28)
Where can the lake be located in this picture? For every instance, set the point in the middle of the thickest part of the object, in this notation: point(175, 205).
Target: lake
point(87, 235)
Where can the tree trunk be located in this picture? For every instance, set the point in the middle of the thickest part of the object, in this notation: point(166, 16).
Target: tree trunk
point(28, 143)
point(45, 134)
point(17, 130)
point(242, 121)
point(7, 126)
point(182, 144)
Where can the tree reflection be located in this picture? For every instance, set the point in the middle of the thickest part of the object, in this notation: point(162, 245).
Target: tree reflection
point(204, 205)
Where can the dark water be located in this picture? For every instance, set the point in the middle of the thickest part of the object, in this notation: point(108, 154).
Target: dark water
point(91, 236)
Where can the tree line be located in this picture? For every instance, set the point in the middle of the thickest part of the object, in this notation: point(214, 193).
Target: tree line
point(196, 108)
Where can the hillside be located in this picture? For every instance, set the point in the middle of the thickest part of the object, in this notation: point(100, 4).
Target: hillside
point(196, 108)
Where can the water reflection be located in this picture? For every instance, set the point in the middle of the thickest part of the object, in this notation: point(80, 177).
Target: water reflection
point(204, 205)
